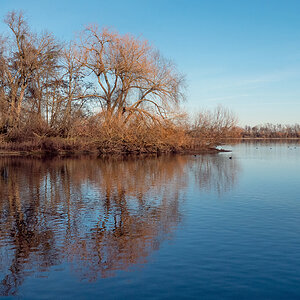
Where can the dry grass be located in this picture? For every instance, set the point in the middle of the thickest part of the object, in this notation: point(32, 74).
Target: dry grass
point(95, 134)
point(45, 144)
point(136, 137)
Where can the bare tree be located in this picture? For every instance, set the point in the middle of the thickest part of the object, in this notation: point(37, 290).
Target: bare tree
point(67, 98)
point(211, 126)
point(132, 78)
point(24, 58)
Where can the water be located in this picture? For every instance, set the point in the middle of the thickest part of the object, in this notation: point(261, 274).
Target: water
point(169, 227)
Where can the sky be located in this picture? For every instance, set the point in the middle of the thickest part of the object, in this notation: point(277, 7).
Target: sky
point(243, 55)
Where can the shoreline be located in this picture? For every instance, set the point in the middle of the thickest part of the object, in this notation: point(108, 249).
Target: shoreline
point(94, 152)
point(74, 153)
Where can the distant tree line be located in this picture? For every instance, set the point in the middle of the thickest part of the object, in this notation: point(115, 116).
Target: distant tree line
point(103, 90)
point(271, 131)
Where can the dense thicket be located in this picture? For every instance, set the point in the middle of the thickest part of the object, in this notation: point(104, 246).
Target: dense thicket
point(106, 91)
point(40, 83)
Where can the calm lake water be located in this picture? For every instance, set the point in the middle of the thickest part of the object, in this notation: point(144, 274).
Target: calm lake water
point(171, 227)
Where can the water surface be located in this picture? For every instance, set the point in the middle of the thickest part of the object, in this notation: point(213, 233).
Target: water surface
point(202, 226)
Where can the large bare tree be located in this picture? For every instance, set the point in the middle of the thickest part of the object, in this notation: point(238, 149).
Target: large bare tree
point(132, 78)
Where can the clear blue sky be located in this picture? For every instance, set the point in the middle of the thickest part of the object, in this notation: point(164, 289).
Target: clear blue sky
point(244, 55)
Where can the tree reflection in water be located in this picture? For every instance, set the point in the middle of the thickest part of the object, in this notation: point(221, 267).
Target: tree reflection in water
point(216, 173)
point(99, 215)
